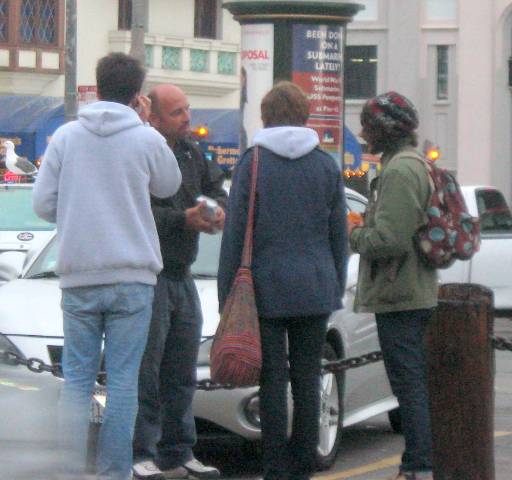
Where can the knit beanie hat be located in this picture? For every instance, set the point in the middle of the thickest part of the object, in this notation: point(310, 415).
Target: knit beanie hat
point(390, 112)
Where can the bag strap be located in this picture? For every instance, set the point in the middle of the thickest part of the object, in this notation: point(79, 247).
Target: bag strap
point(247, 251)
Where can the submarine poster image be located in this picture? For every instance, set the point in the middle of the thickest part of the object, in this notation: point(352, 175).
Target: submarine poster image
point(256, 77)
point(317, 69)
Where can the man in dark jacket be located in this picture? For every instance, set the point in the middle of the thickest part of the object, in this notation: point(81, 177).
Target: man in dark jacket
point(165, 431)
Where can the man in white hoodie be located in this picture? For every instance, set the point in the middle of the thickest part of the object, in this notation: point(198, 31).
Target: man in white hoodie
point(95, 182)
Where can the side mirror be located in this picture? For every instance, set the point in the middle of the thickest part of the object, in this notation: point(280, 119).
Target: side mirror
point(11, 265)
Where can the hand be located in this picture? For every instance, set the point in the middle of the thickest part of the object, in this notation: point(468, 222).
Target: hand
point(354, 220)
point(195, 220)
point(142, 106)
point(220, 217)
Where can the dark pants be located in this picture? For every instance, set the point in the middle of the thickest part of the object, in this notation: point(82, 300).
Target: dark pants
point(294, 459)
point(165, 430)
point(402, 340)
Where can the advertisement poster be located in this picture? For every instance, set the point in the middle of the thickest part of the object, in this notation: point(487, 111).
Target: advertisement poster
point(318, 70)
point(256, 77)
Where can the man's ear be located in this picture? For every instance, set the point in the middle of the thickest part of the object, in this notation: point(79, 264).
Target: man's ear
point(154, 120)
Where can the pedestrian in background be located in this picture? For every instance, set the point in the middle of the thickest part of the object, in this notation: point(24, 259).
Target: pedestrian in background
point(165, 430)
point(393, 282)
point(95, 183)
point(299, 268)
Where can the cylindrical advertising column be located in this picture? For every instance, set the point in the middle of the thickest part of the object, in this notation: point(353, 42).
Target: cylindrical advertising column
point(300, 41)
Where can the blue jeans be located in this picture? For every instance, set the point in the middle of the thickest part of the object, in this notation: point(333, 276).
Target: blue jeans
point(402, 341)
point(120, 315)
point(165, 430)
point(293, 459)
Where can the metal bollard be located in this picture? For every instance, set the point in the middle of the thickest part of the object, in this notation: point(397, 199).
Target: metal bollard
point(461, 383)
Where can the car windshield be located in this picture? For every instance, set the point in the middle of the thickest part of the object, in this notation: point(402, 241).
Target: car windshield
point(16, 213)
point(207, 262)
point(46, 262)
point(493, 211)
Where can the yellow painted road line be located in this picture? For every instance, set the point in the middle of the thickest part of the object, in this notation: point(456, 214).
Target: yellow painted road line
point(371, 467)
point(380, 465)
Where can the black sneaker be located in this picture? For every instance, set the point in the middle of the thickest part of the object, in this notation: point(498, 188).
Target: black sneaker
point(198, 470)
point(147, 470)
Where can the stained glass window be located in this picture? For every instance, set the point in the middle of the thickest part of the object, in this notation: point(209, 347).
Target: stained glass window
point(171, 58)
point(4, 20)
point(198, 60)
point(38, 22)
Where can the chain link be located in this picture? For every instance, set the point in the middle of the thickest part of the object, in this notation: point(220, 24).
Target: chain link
point(37, 365)
point(500, 343)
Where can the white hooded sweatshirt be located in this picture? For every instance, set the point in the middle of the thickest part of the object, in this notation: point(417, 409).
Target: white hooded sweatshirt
point(95, 182)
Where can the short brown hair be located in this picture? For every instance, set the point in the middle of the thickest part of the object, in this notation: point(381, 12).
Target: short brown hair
point(119, 77)
point(285, 104)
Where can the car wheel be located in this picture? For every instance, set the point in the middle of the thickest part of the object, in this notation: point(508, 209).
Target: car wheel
point(331, 414)
point(395, 420)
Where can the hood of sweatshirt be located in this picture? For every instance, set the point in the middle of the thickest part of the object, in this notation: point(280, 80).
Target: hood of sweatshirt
point(288, 142)
point(108, 118)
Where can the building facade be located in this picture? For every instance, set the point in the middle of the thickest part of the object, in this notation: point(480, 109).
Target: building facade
point(451, 57)
point(192, 43)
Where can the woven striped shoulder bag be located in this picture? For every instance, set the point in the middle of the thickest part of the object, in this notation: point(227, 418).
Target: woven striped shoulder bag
point(235, 356)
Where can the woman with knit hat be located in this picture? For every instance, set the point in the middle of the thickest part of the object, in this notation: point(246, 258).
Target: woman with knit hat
point(393, 283)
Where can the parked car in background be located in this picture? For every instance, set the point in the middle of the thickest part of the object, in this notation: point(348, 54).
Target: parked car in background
point(31, 319)
point(20, 228)
point(491, 266)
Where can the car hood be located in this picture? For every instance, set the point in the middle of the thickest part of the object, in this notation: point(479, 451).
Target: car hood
point(32, 307)
point(23, 240)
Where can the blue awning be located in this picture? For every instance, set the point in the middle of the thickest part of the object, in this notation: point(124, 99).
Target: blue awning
point(30, 121)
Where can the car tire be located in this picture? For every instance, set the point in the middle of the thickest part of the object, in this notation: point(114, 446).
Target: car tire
point(331, 414)
point(395, 420)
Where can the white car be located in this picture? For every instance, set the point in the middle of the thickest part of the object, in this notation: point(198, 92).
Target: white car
point(31, 318)
point(20, 228)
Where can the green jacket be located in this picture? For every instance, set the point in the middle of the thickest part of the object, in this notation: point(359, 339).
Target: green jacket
point(391, 275)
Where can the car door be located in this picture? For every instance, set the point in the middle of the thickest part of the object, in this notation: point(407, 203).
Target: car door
point(491, 266)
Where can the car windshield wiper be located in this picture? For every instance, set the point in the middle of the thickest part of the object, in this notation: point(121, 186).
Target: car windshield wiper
point(204, 276)
point(48, 274)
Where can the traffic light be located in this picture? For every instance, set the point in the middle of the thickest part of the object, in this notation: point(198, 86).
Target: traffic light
point(201, 132)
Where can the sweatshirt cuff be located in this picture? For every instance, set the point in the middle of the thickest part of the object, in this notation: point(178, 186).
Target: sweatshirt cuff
point(354, 238)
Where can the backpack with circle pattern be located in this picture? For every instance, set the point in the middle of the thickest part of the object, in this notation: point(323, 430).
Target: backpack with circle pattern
point(450, 233)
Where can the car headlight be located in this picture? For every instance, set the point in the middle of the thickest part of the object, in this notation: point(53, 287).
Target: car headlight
point(203, 358)
point(7, 346)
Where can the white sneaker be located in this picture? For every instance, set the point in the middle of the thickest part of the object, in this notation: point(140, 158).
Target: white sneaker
point(147, 470)
point(198, 470)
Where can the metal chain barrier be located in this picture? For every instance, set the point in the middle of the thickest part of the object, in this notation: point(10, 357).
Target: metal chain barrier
point(334, 366)
point(500, 343)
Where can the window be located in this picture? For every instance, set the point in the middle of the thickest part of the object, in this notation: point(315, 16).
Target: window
point(124, 17)
point(38, 22)
point(4, 21)
point(360, 71)
point(441, 10)
point(370, 12)
point(442, 72)
point(205, 19)
point(493, 212)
